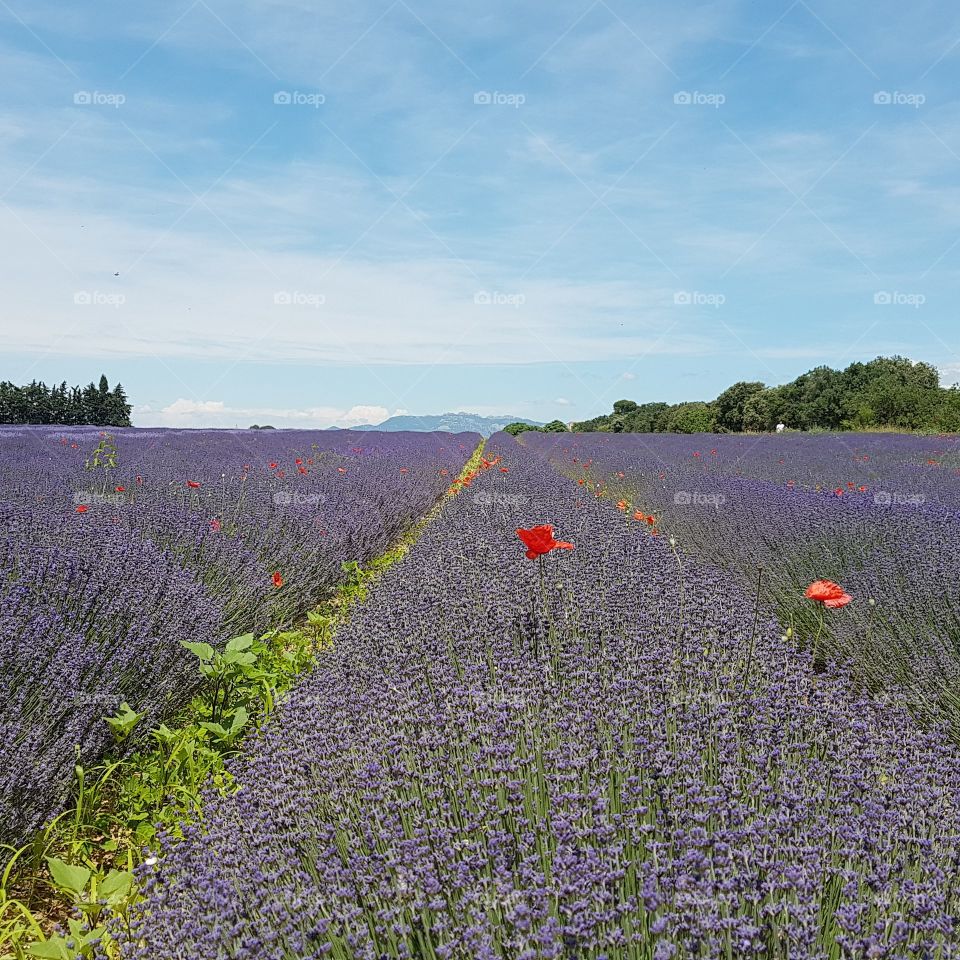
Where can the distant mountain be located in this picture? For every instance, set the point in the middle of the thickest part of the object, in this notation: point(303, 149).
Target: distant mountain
point(451, 422)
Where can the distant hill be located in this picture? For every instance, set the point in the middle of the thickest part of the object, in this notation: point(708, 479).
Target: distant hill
point(451, 422)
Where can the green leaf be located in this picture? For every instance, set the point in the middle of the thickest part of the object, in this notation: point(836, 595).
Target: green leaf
point(116, 884)
point(202, 650)
point(244, 658)
point(215, 728)
point(67, 876)
point(240, 643)
point(240, 719)
point(54, 949)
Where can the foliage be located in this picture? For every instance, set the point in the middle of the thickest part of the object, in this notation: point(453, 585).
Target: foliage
point(888, 392)
point(37, 403)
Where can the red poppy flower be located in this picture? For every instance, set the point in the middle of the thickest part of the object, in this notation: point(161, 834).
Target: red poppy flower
point(404, 470)
point(651, 520)
point(620, 474)
point(277, 579)
point(621, 504)
point(193, 484)
point(302, 470)
point(298, 461)
point(862, 489)
point(341, 469)
point(119, 489)
point(539, 540)
point(713, 453)
point(444, 472)
point(839, 491)
point(638, 515)
point(580, 481)
point(851, 484)
point(73, 446)
point(139, 480)
point(82, 508)
point(215, 525)
point(504, 469)
point(828, 593)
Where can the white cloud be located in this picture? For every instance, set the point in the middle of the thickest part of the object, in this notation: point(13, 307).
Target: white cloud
point(216, 413)
point(949, 374)
point(563, 401)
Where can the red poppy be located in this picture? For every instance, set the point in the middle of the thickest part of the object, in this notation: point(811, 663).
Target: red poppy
point(638, 515)
point(651, 520)
point(73, 446)
point(298, 461)
point(341, 469)
point(82, 508)
point(215, 525)
point(620, 474)
point(828, 593)
point(193, 483)
point(862, 489)
point(277, 579)
point(839, 491)
point(139, 480)
point(580, 481)
point(504, 469)
point(851, 484)
point(621, 504)
point(539, 540)
point(713, 453)
point(119, 489)
point(404, 470)
point(444, 472)
point(302, 470)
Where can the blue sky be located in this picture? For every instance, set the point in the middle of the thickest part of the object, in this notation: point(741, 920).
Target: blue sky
point(327, 213)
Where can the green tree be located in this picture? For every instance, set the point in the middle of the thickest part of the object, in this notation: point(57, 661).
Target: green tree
point(730, 405)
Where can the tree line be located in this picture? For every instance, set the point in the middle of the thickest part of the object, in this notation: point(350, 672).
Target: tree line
point(886, 393)
point(95, 404)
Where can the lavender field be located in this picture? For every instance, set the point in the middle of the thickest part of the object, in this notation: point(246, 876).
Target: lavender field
point(636, 735)
point(110, 559)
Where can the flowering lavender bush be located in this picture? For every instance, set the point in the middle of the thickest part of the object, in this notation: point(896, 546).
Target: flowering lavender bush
point(605, 752)
point(878, 513)
point(112, 551)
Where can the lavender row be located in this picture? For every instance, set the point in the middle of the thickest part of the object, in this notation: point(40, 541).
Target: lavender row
point(603, 757)
point(880, 514)
point(187, 536)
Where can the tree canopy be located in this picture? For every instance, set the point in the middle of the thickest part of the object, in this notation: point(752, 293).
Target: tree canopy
point(886, 393)
point(95, 404)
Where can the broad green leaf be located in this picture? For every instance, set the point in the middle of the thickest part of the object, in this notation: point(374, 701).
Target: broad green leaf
point(240, 719)
point(116, 883)
point(53, 949)
point(244, 658)
point(240, 643)
point(202, 650)
point(68, 876)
